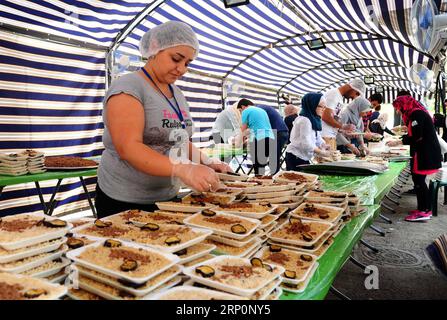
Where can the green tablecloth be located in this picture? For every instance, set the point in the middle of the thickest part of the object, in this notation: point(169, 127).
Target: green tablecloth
point(49, 175)
point(371, 189)
point(334, 258)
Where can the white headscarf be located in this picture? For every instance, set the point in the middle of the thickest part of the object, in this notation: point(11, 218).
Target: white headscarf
point(351, 113)
point(382, 120)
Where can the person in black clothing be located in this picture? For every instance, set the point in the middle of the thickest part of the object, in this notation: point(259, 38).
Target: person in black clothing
point(290, 114)
point(424, 150)
point(379, 125)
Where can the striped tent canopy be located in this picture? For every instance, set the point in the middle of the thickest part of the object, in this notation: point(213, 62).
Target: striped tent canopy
point(261, 43)
point(55, 63)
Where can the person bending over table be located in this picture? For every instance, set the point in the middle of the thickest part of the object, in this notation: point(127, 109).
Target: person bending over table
point(425, 151)
point(281, 133)
point(305, 138)
point(352, 115)
point(148, 126)
point(256, 124)
point(334, 102)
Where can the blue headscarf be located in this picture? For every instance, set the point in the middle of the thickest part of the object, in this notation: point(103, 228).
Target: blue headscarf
point(309, 105)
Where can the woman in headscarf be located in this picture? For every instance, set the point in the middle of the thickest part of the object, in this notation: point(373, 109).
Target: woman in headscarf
point(305, 137)
point(352, 114)
point(424, 150)
point(379, 125)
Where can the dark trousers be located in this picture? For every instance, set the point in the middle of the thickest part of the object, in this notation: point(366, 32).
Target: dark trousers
point(106, 206)
point(293, 161)
point(281, 139)
point(422, 192)
point(260, 154)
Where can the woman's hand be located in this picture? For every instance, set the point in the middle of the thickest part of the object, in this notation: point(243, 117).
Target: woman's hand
point(394, 143)
point(353, 149)
point(199, 177)
point(220, 166)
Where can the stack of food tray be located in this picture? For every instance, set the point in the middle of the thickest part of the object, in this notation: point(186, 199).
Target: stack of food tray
point(117, 270)
point(228, 277)
point(34, 245)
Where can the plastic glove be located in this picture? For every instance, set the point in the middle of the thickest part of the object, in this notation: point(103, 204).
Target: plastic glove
point(220, 166)
point(348, 127)
point(394, 143)
point(353, 149)
point(324, 153)
point(368, 135)
point(199, 177)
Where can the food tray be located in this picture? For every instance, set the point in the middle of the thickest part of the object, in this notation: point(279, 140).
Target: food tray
point(325, 196)
point(253, 251)
point(272, 218)
point(57, 233)
point(313, 251)
point(210, 247)
point(58, 279)
point(270, 227)
point(228, 198)
point(254, 215)
point(224, 233)
point(56, 291)
point(269, 188)
point(193, 292)
point(338, 212)
point(305, 283)
point(181, 207)
point(232, 177)
point(116, 284)
point(32, 251)
point(270, 195)
point(260, 253)
point(300, 242)
point(236, 243)
point(275, 294)
point(267, 290)
point(203, 234)
point(74, 255)
point(249, 249)
point(277, 271)
point(52, 271)
point(53, 256)
point(311, 178)
point(140, 224)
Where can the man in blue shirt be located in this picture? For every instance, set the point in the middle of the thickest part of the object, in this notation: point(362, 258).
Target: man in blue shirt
point(262, 139)
point(281, 134)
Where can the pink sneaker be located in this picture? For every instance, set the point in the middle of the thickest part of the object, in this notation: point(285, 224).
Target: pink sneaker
point(419, 216)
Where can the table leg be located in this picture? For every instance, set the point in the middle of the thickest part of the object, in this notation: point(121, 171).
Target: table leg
point(377, 229)
point(387, 207)
point(52, 203)
point(388, 220)
point(369, 246)
point(357, 263)
point(337, 293)
point(392, 200)
point(42, 200)
point(90, 202)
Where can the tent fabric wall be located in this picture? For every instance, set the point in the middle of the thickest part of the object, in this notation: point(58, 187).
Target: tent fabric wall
point(51, 94)
point(50, 100)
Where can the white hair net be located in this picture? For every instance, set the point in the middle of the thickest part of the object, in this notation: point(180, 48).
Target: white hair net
point(167, 35)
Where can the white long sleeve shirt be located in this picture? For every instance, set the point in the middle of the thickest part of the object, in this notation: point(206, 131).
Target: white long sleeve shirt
point(303, 139)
